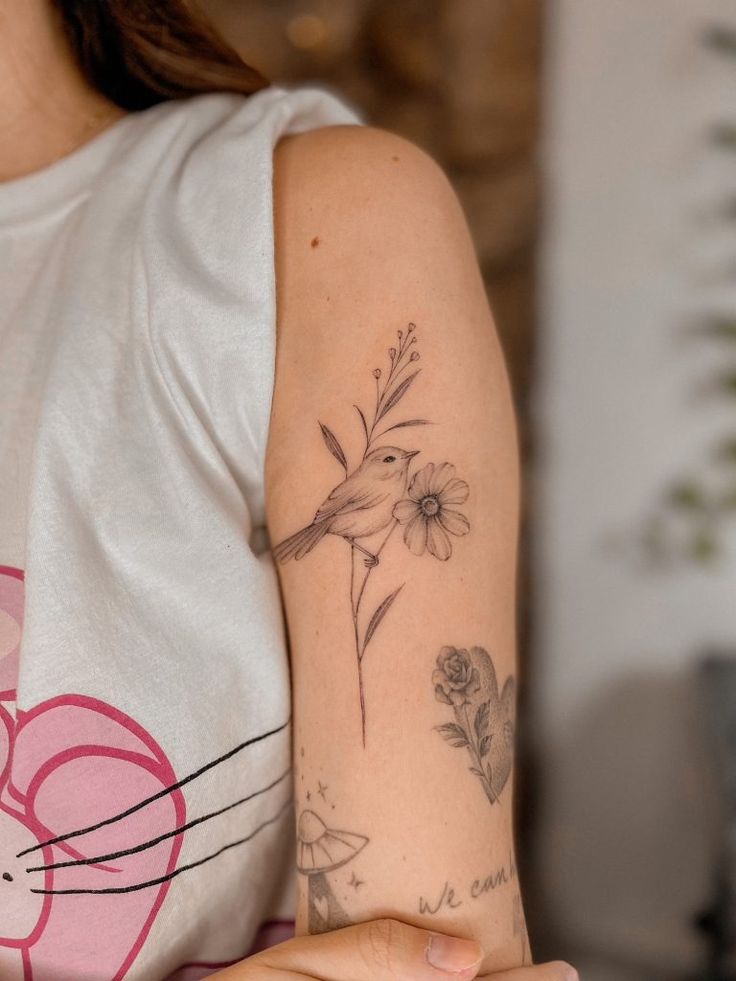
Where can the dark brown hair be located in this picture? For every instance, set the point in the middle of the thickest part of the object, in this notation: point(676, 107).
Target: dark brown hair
point(140, 52)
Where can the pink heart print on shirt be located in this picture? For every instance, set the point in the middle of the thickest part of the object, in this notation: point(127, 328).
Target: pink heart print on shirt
point(92, 819)
point(67, 766)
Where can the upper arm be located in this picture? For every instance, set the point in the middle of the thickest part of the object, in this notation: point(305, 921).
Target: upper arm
point(370, 239)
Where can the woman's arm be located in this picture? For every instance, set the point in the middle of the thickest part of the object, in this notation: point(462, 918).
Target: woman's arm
point(393, 498)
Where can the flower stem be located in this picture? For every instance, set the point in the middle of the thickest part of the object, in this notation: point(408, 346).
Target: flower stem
point(355, 603)
point(355, 607)
point(474, 749)
point(368, 571)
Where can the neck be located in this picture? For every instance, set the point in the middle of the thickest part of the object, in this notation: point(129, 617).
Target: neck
point(47, 109)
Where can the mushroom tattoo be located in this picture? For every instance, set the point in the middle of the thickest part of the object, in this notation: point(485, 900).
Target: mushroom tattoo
point(321, 850)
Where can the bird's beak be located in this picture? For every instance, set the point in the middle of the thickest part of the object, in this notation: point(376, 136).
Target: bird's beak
point(410, 454)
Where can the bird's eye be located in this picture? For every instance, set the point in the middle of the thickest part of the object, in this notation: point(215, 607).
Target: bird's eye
point(389, 459)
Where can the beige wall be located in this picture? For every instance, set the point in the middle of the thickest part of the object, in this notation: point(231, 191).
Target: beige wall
point(630, 256)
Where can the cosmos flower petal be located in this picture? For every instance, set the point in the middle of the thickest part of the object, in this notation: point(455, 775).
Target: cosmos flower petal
point(405, 510)
point(442, 475)
point(419, 486)
point(415, 534)
point(438, 541)
point(453, 521)
point(454, 492)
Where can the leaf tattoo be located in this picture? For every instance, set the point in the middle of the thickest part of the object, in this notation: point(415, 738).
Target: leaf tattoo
point(481, 719)
point(333, 446)
point(466, 680)
point(454, 734)
point(363, 420)
point(397, 394)
point(409, 422)
point(379, 615)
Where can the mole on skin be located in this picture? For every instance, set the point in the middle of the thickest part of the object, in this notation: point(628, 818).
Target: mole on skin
point(315, 242)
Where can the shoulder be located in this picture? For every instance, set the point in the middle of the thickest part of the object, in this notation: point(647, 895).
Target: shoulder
point(345, 171)
point(339, 156)
point(356, 206)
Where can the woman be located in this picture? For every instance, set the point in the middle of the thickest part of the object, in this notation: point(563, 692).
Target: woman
point(170, 475)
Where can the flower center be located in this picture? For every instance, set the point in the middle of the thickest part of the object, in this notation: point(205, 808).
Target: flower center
point(430, 506)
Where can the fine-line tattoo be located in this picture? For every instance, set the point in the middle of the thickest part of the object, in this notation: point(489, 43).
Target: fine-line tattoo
point(451, 896)
point(321, 850)
point(378, 495)
point(484, 719)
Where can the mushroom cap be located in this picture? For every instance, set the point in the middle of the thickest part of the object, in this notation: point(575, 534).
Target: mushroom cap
point(322, 849)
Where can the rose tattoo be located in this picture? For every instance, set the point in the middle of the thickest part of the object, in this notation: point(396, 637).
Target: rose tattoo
point(484, 718)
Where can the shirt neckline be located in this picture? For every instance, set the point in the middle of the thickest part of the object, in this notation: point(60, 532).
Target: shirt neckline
point(65, 179)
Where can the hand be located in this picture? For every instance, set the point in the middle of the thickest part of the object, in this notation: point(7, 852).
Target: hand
point(381, 950)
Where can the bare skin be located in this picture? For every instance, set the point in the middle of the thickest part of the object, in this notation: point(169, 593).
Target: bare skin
point(47, 109)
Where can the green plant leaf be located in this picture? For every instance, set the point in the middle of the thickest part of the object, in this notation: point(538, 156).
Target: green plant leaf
point(687, 495)
point(724, 136)
point(727, 450)
point(703, 546)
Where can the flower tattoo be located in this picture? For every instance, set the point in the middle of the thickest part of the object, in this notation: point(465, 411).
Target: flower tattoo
point(427, 514)
point(379, 494)
point(467, 681)
point(455, 678)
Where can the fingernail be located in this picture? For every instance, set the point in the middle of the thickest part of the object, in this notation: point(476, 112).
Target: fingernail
point(453, 954)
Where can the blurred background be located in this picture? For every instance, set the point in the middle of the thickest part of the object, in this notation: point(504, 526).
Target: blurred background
point(592, 145)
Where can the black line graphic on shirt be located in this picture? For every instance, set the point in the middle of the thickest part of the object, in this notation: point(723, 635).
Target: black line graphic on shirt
point(102, 859)
point(90, 799)
point(378, 495)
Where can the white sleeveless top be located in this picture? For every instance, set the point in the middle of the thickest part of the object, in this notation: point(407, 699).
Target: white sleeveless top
point(146, 820)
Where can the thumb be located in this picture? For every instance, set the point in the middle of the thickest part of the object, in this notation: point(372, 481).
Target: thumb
point(382, 950)
point(553, 971)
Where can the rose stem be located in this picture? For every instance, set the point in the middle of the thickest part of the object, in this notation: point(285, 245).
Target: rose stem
point(476, 756)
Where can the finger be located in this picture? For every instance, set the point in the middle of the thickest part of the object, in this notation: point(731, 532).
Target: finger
point(378, 950)
point(553, 971)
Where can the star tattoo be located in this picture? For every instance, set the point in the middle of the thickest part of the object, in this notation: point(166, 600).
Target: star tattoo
point(321, 789)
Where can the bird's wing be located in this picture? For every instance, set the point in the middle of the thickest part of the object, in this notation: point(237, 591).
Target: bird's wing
point(350, 495)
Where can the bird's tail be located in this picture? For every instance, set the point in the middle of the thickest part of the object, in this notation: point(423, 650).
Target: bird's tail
point(297, 545)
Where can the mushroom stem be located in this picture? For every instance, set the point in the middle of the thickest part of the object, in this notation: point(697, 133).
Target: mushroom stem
point(325, 913)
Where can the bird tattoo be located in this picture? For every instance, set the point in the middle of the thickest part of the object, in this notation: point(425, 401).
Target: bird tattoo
point(358, 507)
